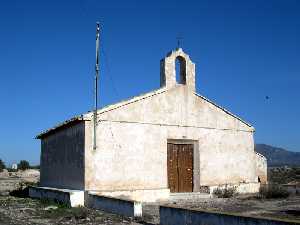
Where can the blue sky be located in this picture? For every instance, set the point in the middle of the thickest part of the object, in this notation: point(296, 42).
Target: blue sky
point(243, 50)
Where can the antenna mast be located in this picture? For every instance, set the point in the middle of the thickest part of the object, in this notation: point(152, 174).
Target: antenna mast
point(96, 84)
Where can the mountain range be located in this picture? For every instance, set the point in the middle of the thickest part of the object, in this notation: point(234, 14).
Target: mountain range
point(278, 156)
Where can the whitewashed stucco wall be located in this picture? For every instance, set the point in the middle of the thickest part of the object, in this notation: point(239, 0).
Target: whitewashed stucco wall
point(132, 142)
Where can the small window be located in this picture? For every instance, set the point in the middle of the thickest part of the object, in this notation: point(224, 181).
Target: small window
point(180, 68)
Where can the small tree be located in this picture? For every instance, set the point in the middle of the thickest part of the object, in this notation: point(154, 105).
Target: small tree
point(2, 165)
point(23, 165)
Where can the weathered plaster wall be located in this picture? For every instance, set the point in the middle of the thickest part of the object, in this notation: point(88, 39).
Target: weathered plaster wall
point(62, 158)
point(261, 168)
point(126, 157)
point(226, 156)
point(132, 142)
point(175, 106)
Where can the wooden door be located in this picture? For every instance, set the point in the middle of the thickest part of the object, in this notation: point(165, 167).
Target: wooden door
point(180, 167)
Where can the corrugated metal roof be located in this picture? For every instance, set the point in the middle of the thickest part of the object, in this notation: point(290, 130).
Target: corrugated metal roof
point(60, 125)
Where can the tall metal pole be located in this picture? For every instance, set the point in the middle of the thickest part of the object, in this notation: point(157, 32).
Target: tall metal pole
point(96, 85)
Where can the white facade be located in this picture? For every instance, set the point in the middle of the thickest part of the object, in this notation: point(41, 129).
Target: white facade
point(132, 137)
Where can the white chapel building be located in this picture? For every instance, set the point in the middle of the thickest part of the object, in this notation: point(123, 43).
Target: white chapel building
point(171, 140)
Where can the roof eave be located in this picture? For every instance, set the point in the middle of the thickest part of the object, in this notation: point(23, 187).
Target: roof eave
point(60, 125)
point(88, 116)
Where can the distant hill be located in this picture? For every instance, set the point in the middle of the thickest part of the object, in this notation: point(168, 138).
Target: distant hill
point(278, 156)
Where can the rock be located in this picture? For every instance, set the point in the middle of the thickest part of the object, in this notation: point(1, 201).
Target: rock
point(98, 218)
point(51, 207)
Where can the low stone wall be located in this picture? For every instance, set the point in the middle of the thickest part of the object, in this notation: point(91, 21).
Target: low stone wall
point(119, 206)
point(292, 189)
point(72, 198)
point(179, 216)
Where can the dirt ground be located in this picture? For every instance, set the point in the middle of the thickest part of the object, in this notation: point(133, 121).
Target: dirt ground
point(288, 208)
point(10, 181)
point(26, 211)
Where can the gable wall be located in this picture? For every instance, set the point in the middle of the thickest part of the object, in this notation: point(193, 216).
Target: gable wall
point(176, 106)
point(132, 143)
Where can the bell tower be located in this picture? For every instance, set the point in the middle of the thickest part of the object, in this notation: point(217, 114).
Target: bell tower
point(186, 71)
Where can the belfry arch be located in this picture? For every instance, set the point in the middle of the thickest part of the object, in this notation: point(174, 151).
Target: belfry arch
point(180, 70)
point(186, 73)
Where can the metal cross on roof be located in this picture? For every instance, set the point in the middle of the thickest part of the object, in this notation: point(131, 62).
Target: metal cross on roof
point(179, 40)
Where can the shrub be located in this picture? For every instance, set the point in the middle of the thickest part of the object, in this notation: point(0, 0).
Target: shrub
point(2, 165)
point(23, 165)
point(10, 170)
point(273, 191)
point(226, 192)
point(64, 211)
point(21, 192)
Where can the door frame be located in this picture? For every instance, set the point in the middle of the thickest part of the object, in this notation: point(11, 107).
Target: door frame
point(196, 161)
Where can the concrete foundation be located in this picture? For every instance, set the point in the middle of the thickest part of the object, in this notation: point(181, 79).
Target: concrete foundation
point(73, 198)
point(137, 195)
point(119, 206)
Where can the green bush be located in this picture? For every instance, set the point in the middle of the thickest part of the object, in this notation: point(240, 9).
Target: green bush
point(226, 192)
point(273, 191)
point(2, 165)
point(23, 165)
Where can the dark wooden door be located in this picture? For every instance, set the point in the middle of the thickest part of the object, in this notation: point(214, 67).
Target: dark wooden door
point(180, 167)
